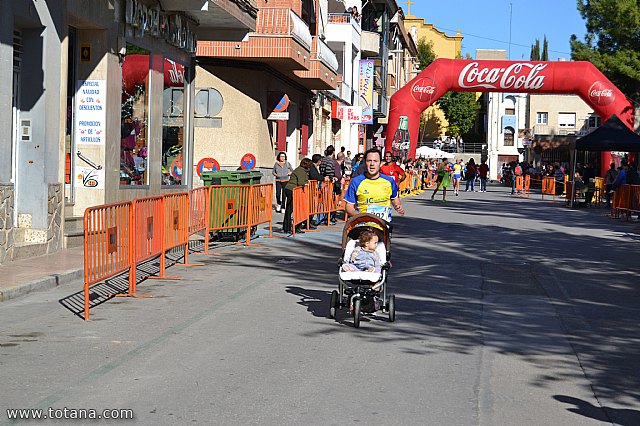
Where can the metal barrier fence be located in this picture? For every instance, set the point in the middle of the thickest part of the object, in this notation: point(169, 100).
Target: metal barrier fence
point(107, 244)
point(120, 236)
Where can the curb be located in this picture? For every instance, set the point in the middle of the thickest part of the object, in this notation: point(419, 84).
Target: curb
point(40, 284)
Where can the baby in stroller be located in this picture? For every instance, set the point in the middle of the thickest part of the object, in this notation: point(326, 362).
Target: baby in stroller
point(364, 256)
point(363, 269)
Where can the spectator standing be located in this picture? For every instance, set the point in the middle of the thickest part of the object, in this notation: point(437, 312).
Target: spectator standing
point(483, 171)
point(281, 170)
point(517, 171)
point(470, 176)
point(299, 177)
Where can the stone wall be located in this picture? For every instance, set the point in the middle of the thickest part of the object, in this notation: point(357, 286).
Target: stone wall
point(55, 209)
point(6, 222)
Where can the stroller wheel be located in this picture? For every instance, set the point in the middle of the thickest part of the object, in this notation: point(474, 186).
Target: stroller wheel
point(391, 308)
point(334, 304)
point(356, 313)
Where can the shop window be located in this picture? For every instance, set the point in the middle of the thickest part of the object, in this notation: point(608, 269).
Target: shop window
point(594, 121)
point(173, 132)
point(134, 116)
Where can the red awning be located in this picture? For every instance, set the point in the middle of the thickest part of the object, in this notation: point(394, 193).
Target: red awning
point(135, 70)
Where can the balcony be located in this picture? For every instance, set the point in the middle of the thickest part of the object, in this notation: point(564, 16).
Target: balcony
point(369, 43)
point(343, 91)
point(342, 28)
point(281, 40)
point(323, 69)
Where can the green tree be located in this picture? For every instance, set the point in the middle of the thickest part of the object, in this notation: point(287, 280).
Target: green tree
point(535, 51)
point(612, 41)
point(461, 110)
point(536, 55)
point(426, 55)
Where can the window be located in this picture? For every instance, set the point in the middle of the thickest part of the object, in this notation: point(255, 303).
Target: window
point(567, 119)
point(510, 111)
point(134, 116)
point(594, 121)
point(173, 107)
point(508, 136)
point(542, 118)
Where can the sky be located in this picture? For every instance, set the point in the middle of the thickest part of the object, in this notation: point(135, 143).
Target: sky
point(485, 24)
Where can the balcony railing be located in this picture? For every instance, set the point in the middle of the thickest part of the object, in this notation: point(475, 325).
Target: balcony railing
point(343, 18)
point(326, 56)
point(282, 21)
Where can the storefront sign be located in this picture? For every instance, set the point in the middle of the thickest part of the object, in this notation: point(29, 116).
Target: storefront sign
point(91, 101)
point(88, 177)
point(366, 91)
point(352, 114)
point(172, 28)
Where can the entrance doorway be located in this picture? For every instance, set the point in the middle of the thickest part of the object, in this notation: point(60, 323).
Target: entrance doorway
point(69, 143)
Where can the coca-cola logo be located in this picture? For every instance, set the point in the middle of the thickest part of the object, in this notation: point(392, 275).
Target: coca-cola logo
point(520, 75)
point(423, 89)
point(601, 93)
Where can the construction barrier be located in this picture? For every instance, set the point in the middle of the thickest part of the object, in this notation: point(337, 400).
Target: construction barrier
point(199, 212)
point(301, 206)
point(146, 239)
point(549, 187)
point(120, 236)
point(228, 209)
point(526, 190)
point(599, 189)
point(259, 208)
point(107, 244)
point(519, 185)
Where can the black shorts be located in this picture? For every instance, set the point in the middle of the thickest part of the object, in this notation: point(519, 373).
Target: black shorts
point(439, 179)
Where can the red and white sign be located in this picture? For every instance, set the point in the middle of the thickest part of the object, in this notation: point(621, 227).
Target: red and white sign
point(521, 75)
point(352, 114)
point(423, 89)
point(600, 93)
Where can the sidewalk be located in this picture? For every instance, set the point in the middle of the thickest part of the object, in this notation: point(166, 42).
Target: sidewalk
point(20, 277)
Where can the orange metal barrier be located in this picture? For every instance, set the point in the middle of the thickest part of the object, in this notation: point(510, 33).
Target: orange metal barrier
point(259, 208)
point(199, 212)
point(526, 190)
point(176, 227)
point(228, 208)
point(107, 245)
point(301, 206)
point(315, 197)
point(519, 185)
point(549, 187)
point(146, 238)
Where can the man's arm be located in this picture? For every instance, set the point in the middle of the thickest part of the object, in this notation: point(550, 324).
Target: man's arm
point(397, 206)
point(350, 208)
point(402, 174)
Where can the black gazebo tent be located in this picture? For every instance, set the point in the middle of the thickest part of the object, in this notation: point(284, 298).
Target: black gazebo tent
point(613, 135)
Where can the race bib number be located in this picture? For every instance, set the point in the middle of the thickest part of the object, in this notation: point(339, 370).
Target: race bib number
point(380, 211)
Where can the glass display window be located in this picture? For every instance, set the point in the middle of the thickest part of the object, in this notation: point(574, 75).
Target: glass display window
point(134, 116)
point(173, 122)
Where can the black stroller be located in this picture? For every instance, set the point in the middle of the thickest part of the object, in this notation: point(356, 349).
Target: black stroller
point(364, 292)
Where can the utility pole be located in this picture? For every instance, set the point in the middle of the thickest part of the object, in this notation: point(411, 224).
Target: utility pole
point(510, 18)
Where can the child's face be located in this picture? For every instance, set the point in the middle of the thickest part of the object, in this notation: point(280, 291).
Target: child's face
point(371, 244)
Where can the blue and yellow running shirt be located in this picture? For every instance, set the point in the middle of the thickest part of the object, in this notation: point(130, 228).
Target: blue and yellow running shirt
point(373, 196)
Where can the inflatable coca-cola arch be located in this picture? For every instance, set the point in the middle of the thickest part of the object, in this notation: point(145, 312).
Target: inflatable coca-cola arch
point(443, 75)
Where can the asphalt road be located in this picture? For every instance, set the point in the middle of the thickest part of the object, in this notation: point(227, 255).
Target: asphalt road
point(510, 312)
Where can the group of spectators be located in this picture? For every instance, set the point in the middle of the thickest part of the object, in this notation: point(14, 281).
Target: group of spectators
point(449, 144)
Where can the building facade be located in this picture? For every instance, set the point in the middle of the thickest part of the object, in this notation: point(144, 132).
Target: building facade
point(100, 97)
